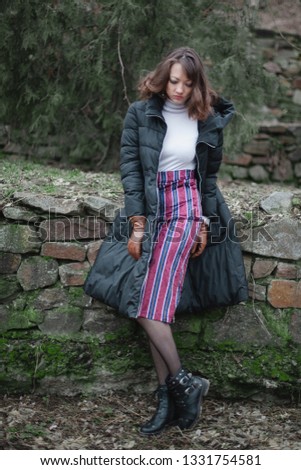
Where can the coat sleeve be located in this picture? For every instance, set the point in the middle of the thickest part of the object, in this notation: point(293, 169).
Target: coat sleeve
point(209, 202)
point(130, 165)
point(225, 110)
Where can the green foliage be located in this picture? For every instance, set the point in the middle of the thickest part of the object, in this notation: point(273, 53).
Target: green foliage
point(68, 70)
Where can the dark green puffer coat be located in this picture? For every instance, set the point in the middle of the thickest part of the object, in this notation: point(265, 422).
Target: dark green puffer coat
point(217, 277)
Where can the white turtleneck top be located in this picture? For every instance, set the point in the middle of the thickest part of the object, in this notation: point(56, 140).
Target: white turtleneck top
point(178, 151)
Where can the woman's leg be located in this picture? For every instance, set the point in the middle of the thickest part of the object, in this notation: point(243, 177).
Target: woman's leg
point(184, 392)
point(165, 413)
point(161, 337)
point(160, 365)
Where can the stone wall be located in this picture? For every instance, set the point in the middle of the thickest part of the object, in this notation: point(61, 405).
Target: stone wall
point(274, 154)
point(54, 339)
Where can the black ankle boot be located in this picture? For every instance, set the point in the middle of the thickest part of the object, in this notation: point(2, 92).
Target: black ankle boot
point(164, 414)
point(188, 392)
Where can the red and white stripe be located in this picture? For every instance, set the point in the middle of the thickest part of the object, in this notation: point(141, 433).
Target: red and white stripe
point(177, 226)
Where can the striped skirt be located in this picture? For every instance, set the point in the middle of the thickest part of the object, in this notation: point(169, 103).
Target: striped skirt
point(177, 224)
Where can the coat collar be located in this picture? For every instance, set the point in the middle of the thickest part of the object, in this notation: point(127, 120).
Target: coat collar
point(209, 129)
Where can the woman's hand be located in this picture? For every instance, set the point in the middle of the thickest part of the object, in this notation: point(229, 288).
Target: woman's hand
point(200, 242)
point(135, 240)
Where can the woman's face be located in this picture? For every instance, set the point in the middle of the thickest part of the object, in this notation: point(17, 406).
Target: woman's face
point(179, 86)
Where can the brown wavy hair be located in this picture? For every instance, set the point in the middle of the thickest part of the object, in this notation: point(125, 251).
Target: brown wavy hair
point(202, 98)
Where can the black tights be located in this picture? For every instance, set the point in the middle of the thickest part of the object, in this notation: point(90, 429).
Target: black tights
point(163, 348)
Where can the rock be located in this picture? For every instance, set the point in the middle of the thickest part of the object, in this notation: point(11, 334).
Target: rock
point(279, 239)
point(9, 263)
point(101, 207)
point(263, 267)
point(258, 173)
point(272, 67)
point(23, 319)
point(273, 127)
point(287, 271)
point(239, 172)
point(70, 251)
point(297, 83)
point(298, 170)
point(284, 294)
point(243, 159)
point(62, 321)
point(278, 201)
point(20, 213)
point(295, 326)
point(93, 249)
point(74, 274)
point(295, 156)
point(19, 239)
point(50, 298)
point(36, 272)
point(99, 322)
point(283, 171)
point(297, 97)
point(73, 229)
point(241, 325)
point(258, 147)
point(4, 317)
point(257, 292)
point(9, 286)
point(247, 264)
point(49, 204)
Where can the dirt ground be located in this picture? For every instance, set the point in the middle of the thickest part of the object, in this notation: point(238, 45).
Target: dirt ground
point(112, 422)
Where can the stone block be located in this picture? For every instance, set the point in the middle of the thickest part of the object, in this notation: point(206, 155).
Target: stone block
point(36, 272)
point(93, 249)
point(258, 147)
point(242, 326)
point(263, 267)
point(287, 271)
point(15, 238)
point(295, 156)
point(20, 213)
point(272, 67)
point(99, 322)
point(4, 317)
point(59, 321)
point(297, 170)
point(72, 229)
point(295, 326)
point(297, 83)
point(284, 294)
point(257, 292)
point(258, 173)
point(297, 97)
point(247, 264)
point(283, 171)
point(9, 263)
point(74, 274)
point(49, 204)
point(50, 298)
point(60, 250)
point(239, 172)
point(278, 201)
point(100, 206)
point(243, 159)
point(9, 286)
point(280, 239)
point(23, 319)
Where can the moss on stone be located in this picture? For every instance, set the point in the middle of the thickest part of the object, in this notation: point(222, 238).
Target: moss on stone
point(278, 321)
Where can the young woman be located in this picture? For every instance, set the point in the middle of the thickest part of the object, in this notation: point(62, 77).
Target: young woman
point(171, 150)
